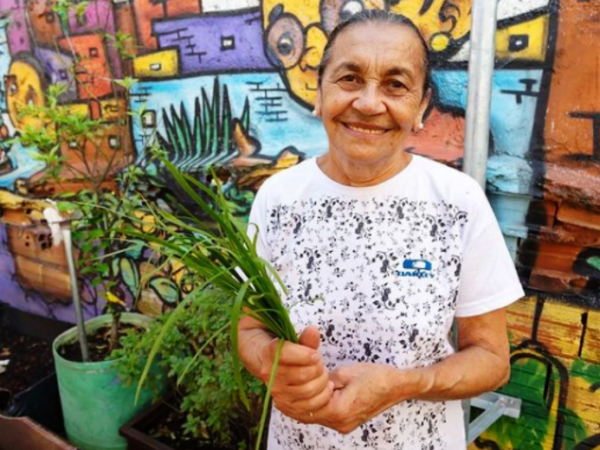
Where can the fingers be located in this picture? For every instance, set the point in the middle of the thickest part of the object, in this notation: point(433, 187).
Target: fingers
point(311, 337)
point(301, 409)
point(339, 378)
point(303, 391)
point(292, 354)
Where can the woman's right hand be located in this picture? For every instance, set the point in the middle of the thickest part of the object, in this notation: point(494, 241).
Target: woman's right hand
point(302, 384)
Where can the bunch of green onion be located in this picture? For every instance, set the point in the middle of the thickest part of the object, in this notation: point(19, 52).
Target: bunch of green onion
point(221, 254)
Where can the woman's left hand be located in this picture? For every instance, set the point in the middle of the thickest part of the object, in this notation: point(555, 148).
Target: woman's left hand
point(362, 391)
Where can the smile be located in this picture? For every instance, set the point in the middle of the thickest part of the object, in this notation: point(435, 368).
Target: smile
point(359, 129)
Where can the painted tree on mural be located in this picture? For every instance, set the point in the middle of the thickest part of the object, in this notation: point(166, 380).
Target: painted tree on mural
point(232, 82)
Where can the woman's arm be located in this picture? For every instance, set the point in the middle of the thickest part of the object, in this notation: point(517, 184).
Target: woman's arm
point(365, 390)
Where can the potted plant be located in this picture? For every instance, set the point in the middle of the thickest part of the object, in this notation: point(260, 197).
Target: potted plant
point(89, 161)
point(222, 261)
point(204, 410)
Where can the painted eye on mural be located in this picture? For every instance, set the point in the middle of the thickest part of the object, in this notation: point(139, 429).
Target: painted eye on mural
point(10, 82)
point(285, 41)
point(285, 45)
point(335, 11)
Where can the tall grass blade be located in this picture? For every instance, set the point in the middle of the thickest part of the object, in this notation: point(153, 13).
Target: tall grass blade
point(263, 417)
point(236, 314)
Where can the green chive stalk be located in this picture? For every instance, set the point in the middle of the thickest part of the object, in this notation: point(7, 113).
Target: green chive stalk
point(226, 259)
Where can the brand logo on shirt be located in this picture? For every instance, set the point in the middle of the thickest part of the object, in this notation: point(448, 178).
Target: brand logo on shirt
point(417, 268)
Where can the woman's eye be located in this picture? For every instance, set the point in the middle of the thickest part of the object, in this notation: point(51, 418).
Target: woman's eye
point(396, 85)
point(348, 78)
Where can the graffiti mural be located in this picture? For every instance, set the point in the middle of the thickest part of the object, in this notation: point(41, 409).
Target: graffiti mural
point(231, 83)
point(555, 373)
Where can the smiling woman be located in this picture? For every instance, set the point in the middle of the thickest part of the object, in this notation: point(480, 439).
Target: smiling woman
point(372, 96)
point(397, 246)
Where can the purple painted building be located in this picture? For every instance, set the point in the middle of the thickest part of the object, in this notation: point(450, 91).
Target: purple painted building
point(231, 42)
point(17, 31)
point(58, 67)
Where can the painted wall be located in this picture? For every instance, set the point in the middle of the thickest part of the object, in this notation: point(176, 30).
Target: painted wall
point(253, 61)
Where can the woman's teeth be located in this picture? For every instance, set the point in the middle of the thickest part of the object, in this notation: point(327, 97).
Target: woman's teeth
point(366, 130)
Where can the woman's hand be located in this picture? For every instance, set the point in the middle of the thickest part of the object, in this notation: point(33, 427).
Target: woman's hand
point(362, 391)
point(301, 384)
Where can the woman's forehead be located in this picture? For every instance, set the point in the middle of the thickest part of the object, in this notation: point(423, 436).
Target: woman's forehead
point(387, 47)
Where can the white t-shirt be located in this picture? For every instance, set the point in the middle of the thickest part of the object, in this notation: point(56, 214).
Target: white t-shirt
point(394, 264)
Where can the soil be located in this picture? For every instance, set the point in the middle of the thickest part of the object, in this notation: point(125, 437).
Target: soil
point(98, 344)
point(170, 431)
point(30, 359)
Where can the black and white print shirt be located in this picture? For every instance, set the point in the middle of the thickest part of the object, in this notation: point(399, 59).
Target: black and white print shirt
point(383, 271)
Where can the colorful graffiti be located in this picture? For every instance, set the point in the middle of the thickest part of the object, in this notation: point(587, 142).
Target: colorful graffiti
point(232, 82)
point(555, 372)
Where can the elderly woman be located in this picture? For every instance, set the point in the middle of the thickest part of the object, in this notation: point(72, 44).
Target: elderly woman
point(381, 251)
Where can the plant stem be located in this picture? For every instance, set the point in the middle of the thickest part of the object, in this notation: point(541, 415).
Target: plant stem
point(267, 402)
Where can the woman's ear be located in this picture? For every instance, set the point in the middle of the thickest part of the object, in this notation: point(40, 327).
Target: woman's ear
point(418, 122)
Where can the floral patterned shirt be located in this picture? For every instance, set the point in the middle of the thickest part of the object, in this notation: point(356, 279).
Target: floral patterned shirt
point(383, 271)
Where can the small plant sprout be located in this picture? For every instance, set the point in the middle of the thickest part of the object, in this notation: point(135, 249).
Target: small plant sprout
point(116, 306)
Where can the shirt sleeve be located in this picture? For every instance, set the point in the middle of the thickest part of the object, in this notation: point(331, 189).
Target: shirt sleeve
point(488, 278)
point(257, 222)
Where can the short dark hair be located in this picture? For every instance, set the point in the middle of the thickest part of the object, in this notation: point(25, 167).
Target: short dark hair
point(378, 16)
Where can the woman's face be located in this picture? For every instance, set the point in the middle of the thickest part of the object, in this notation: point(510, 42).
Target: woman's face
point(371, 96)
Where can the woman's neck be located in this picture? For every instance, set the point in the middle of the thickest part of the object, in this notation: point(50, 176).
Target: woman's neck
point(360, 174)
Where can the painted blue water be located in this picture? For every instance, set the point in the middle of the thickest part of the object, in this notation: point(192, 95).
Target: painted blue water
point(277, 121)
point(24, 163)
point(514, 102)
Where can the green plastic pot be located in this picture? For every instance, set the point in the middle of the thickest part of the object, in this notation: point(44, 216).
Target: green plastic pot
point(95, 402)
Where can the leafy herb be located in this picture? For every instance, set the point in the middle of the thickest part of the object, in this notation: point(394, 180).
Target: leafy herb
point(225, 258)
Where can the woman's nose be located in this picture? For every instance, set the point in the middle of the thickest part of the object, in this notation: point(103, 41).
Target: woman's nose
point(369, 101)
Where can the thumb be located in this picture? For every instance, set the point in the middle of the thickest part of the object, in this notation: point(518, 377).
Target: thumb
point(338, 379)
point(311, 337)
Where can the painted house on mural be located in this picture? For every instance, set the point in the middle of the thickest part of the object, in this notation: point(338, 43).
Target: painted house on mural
point(232, 83)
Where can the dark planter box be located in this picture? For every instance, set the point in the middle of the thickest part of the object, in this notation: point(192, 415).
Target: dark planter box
point(23, 433)
point(139, 440)
point(41, 403)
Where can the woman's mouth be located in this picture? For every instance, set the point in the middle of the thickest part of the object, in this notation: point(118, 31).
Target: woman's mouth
point(364, 129)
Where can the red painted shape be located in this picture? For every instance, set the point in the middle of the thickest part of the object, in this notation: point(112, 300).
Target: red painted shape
point(147, 11)
point(93, 70)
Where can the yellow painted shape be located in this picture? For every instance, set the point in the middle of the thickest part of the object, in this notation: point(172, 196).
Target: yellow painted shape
point(306, 11)
point(77, 109)
point(113, 108)
point(24, 88)
point(591, 345)
point(582, 400)
point(443, 22)
point(537, 32)
point(164, 63)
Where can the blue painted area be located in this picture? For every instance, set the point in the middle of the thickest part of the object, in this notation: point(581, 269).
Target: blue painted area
point(276, 120)
point(24, 165)
point(510, 211)
point(514, 102)
point(4, 59)
point(509, 174)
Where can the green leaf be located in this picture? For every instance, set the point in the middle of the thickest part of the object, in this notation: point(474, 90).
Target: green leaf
point(263, 418)
point(166, 289)
point(236, 314)
point(128, 271)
